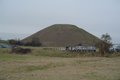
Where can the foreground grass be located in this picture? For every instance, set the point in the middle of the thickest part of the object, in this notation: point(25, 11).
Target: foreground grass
point(46, 65)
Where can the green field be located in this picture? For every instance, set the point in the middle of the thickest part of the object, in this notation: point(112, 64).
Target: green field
point(43, 64)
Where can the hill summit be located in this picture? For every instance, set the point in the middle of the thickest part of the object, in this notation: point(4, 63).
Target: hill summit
point(60, 35)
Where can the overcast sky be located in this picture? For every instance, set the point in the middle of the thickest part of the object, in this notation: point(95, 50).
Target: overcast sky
point(28, 16)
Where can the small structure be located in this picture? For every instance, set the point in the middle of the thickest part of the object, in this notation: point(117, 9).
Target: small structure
point(81, 48)
point(115, 48)
point(3, 45)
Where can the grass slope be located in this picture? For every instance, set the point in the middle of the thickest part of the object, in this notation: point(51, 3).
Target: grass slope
point(63, 35)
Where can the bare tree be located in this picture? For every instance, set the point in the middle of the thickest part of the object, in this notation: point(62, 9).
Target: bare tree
point(106, 38)
point(104, 44)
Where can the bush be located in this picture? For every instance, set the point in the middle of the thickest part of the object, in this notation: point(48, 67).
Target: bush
point(20, 50)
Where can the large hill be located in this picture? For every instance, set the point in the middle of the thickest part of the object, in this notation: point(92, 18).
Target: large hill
point(60, 35)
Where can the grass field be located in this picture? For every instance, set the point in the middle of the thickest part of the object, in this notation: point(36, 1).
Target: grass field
point(56, 65)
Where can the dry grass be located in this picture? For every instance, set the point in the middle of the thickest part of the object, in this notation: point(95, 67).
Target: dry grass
point(32, 67)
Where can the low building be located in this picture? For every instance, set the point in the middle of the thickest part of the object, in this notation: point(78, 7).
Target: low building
point(115, 48)
point(82, 48)
point(3, 45)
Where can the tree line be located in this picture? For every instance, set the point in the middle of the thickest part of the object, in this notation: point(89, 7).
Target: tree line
point(34, 42)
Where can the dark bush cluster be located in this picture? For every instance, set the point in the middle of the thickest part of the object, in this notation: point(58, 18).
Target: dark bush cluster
point(15, 42)
point(34, 42)
point(19, 50)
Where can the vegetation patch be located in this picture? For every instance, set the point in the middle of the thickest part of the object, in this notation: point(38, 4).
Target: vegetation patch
point(95, 76)
point(2, 78)
point(11, 57)
point(30, 68)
